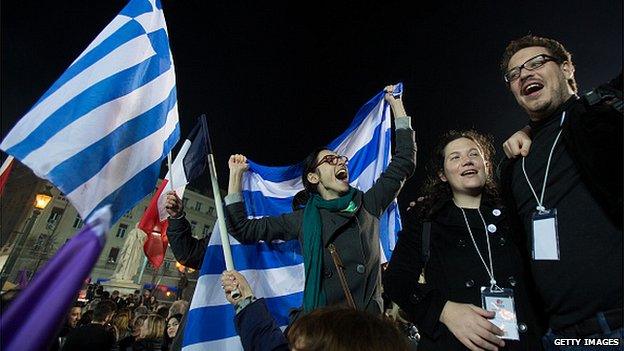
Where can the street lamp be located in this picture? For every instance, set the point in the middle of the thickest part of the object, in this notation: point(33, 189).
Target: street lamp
point(42, 200)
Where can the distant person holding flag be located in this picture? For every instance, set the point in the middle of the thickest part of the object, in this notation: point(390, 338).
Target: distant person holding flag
point(337, 224)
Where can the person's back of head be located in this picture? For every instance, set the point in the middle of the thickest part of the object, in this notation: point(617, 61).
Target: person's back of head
point(137, 322)
point(141, 310)
point(86, 318)
point(121, 320)
point(162, 310)
point(154, 327)
point(103, 310)
point(340, 328)
point(178, 307)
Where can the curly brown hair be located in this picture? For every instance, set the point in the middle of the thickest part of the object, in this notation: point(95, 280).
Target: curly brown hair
point(340, 328)
point(434, 191)
point(557, 50)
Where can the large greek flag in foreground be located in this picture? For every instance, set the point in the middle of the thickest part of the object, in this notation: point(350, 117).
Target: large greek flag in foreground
point(275, 270)
point(100, 132)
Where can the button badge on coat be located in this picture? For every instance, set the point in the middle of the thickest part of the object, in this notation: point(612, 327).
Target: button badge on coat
point(522, 328)
point(360, 268)
point(491, 228)
point(496, 212)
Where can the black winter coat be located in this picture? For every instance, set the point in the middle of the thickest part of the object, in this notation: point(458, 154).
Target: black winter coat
point(147, 345)
point(454, 272)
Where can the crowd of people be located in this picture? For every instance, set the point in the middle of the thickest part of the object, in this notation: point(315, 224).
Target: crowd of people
point(110, 321)
point(514, 256)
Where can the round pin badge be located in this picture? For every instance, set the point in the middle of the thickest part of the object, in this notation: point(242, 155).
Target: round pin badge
point(491, 228)
point(496, 212)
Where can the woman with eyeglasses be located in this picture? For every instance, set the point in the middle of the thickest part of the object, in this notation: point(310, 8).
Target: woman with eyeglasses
point(332, 218)
point(456, 270)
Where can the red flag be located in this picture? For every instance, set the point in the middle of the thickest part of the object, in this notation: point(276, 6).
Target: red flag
point(4, 172)
point(155, 245)
point(188, 164)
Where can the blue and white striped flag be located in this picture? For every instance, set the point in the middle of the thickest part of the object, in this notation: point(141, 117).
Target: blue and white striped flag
point(101, 131)
point(275, 270)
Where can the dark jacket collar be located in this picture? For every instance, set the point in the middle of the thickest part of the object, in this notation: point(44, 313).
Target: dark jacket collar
point(537, 125)
point(449, 214)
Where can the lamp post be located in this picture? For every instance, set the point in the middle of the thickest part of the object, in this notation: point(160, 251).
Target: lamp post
point(42, 200)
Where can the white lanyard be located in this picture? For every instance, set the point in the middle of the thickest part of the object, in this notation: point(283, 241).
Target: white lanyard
point(540, 201)
point(490, 270)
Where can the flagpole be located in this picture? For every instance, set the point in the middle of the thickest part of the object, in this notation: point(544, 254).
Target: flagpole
point(225, 240)
point(170, 170)
point(142, 270)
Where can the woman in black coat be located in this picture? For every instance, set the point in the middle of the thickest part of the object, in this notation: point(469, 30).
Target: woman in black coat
point(456, 240)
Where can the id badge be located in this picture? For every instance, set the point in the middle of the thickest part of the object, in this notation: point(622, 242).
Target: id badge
point(501, 301)
point(545, 237)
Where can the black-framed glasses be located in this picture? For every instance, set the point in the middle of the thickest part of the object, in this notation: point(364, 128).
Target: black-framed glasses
point(332, 160)
point(530, 65)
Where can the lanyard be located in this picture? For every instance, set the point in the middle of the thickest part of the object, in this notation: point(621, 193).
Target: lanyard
point(490, 270)
point(540, 201)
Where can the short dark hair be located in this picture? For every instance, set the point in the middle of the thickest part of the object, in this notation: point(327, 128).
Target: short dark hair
point(162, 310)
point(341, 328)
point(557, 50)
point(102, 310)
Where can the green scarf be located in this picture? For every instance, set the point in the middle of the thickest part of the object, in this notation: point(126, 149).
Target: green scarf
point(313, 296)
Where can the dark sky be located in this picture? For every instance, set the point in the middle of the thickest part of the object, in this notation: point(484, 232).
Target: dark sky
point(278, 78)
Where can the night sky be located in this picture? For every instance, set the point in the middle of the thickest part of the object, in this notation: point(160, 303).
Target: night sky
point(278, 78)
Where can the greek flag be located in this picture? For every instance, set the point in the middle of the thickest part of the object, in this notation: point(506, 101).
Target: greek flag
point(100, 132)
point(275, 270)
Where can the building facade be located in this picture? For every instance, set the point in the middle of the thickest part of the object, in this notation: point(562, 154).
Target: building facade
point(59, 221)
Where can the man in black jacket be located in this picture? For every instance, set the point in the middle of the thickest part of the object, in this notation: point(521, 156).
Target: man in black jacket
point(94, 336)
point(567, 192)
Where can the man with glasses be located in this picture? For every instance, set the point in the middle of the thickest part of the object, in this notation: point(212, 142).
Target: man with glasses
point(567, 192)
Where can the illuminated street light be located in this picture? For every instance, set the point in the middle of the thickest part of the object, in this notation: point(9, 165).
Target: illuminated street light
point(42, 200)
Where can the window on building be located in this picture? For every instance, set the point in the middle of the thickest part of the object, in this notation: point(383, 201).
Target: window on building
point(198, 206)
point(210, 210)
point(184, 201)
point(77, 222)
point(55, 214)
point(193, 225)
point(40, 243)
point(112, 255)
point(121, 230)
point(206, 230)
point(128, 214)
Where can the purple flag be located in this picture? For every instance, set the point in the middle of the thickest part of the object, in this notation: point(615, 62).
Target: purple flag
point(35, 317)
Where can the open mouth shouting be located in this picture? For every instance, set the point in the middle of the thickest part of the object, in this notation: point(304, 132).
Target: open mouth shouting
point(531, 88)
point(342, 175)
